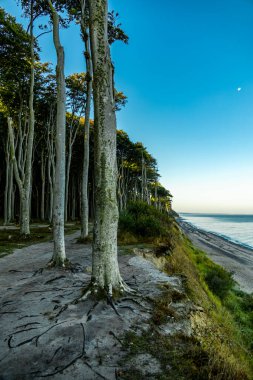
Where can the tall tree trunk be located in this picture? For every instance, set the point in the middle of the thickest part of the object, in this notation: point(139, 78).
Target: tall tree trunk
point(25, 199)
point(86, 153)
point(10, 192)
point(13, 158)
point(7, 183)
point(69, 158)
point(59, 255)
point(73, 209)
point(12, 203)
point(43, 180)
point(105, 270)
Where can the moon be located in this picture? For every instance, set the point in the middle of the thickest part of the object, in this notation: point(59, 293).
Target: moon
point(239, 89)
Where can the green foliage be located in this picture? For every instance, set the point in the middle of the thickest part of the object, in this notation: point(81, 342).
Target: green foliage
point(144, 220)
point(219, 281)
point(233, 309)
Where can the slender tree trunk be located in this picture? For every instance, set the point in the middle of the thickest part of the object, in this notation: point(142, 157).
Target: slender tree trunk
point(59, 255)
point(67, 178)
point(43, 180)
point(7, 184)
point(86, 154)
point(12, 203)
point(105, 270)
point(73, 210)
point(25, 199)
point(13, 157)
point(51, 191)
point(10, 215)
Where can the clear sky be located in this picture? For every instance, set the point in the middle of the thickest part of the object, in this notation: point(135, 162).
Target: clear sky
point(188, 75)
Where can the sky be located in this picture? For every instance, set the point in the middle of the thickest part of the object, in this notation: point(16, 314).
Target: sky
point(188, 75)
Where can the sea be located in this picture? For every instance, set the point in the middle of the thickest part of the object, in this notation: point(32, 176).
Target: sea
point(236, 228)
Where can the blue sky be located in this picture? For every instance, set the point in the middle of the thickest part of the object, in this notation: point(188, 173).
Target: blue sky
point(181, 71)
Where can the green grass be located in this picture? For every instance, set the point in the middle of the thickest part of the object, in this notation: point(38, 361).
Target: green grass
point(225, 328)
point(221, 284)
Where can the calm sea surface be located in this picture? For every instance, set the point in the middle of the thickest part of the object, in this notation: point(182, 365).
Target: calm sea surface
point(238, 228)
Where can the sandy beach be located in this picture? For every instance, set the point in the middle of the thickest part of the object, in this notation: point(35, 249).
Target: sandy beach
point(233, 257)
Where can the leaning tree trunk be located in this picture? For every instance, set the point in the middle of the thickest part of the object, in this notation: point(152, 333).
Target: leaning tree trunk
point(105, 270)
point(59, 255)
point(86, 154)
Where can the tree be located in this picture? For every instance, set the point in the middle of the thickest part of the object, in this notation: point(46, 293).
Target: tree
point(86, 145)
point(59, 255)
point(23, 164)
point(105, 269)
point(76, 101)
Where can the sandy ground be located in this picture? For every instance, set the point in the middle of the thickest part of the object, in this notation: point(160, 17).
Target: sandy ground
point(43, 333)
point(233, 257)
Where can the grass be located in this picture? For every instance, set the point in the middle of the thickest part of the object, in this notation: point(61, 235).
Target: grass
point(225, 329)
point(10, 239)
point(221, 347)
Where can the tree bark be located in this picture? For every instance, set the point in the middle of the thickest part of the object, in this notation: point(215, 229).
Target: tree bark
point(86, 154)
point(105, 270)
point(25, 200)
point(59, 255)
point(69, 158)
point(43, 179)
point(7, 182)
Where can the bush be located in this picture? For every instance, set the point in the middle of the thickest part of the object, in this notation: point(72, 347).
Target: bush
point(219, 281)
point(144, 220)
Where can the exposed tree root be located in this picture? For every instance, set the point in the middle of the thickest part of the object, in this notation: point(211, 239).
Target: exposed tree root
point(54, 279)
point(113, 334)
point(96, 372)
point(54, 355)
point(27, 324)
point(29, 316)
point(39, 271)
point(55, 264)
point(35, 337)
point(63, 368)
point(43, 291)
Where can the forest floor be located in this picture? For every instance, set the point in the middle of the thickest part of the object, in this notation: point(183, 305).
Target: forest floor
point(44, 333)
point(40, 232)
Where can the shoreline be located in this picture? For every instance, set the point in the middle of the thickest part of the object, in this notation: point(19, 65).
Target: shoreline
point(234, 257)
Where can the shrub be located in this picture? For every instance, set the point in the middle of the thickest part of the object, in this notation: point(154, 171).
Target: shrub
point(219, 281)
point(144, 220)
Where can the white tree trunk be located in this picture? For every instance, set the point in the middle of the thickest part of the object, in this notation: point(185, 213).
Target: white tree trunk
point(69, 158)
point(43, 183)
point(10, 193)
point(7, 182)
point(22, 166)
point(59, 255)
point(25, 199)
point(86, 153)
point(105, 270)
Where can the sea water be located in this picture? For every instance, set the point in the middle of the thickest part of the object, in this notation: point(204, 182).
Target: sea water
point(237, 228)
